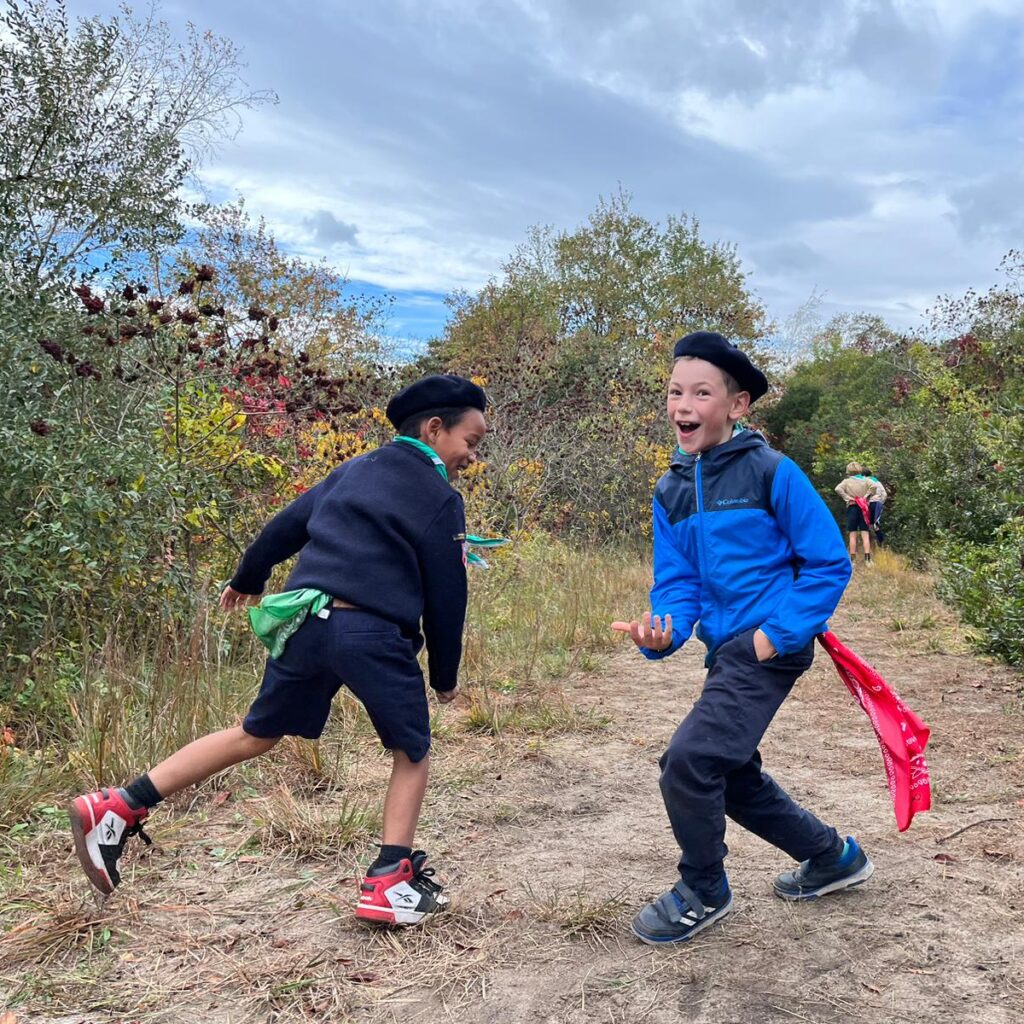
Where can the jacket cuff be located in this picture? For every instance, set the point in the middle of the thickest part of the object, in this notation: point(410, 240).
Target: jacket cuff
point(652, 655)
point(246, 585)
point(781, 647)
point(442, 678)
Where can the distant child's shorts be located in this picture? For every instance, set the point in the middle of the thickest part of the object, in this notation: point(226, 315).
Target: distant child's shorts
point(855, 519)
point(352, 648)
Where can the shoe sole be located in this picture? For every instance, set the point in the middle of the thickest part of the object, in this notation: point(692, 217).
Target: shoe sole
point(396, 918)
point(696, 930)
point(378, 915)
point(849, 882)
point(78, 831)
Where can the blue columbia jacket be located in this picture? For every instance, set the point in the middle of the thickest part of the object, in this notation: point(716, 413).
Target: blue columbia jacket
point(742, 540)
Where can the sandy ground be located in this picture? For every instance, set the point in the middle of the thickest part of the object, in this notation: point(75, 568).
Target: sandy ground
point(549, 845)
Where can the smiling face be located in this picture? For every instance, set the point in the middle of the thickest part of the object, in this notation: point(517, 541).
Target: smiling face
point(700, 406)
point(456, 445)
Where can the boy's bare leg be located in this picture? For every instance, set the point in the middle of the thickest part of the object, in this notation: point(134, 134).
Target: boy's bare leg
point(865, 539)
point(206, 756)
point(404, 799)
point(102, 821)
point(853, 543)
point(397, 888)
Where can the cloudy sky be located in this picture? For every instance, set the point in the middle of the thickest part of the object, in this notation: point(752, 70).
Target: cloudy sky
point(865, 150)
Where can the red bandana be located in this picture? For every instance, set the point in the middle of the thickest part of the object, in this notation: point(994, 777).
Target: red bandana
point(901, 734)
point(865, 511)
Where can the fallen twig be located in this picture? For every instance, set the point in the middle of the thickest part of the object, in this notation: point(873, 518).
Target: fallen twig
point(973, 824)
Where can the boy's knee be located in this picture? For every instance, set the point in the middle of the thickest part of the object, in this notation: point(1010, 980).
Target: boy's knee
point(403, 762)
point(679, 762)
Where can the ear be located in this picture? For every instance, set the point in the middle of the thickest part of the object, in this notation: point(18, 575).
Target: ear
point(740, 405)
point(431, 428)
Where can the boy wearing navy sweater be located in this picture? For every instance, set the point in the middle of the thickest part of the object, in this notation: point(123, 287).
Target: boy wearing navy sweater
point(744, 546)
point(381, 545)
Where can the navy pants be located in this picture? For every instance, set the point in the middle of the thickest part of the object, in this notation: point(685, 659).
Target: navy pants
point(712, 768)
point(354, 648)
point(876, 508)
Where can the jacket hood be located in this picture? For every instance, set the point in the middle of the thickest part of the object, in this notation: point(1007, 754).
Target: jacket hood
point(721, 452)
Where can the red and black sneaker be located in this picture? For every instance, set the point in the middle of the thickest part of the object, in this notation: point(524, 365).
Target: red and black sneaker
point(100, 823)
point(402, 893)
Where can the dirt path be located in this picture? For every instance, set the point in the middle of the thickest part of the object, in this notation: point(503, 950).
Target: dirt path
point(551, 844)
point(925, 940)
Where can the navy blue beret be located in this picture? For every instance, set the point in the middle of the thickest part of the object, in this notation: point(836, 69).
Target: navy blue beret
point(438, 391)
point(714, 349)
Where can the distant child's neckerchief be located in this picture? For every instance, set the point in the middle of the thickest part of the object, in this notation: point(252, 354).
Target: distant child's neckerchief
point(865, 511)
point(471, 539)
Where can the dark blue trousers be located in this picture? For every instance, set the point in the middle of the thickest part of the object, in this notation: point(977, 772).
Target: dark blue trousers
point(712, 768)
point(876, 508)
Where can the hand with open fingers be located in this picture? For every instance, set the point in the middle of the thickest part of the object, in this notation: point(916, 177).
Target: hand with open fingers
point(447, 696)
point(230, 599)
point(648, 632)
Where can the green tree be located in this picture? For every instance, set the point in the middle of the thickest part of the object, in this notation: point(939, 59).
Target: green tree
point(103, 121)
point(573, 340)
point(940, 419)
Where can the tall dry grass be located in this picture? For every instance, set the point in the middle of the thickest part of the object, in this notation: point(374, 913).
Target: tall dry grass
point(541, 611)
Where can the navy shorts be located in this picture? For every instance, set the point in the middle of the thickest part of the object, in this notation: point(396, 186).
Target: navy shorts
point(855, 519)
point(352, 648)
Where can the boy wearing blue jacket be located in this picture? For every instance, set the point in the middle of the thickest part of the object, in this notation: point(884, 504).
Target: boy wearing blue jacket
point(746, 550)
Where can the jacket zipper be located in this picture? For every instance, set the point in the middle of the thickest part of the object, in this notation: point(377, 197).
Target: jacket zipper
point(705, 580)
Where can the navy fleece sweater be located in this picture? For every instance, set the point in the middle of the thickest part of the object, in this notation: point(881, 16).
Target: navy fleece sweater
point(384, 532)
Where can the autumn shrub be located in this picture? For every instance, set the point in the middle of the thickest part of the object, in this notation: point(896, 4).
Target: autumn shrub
point(145, 438)
point(983, 582)
point(574, 340)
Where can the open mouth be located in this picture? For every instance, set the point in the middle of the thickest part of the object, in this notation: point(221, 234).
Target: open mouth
point(686, 428)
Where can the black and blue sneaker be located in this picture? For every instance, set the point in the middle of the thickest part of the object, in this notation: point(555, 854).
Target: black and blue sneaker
point(679, 914)
point(828, 872)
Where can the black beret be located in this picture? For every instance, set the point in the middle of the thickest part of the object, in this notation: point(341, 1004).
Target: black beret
point(714, 349)
point(438, 391)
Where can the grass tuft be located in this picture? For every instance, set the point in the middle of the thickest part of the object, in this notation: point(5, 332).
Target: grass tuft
point(314, 829)
point(49, 932)
point(544, 608)
point(579, 912)
point(548, 715)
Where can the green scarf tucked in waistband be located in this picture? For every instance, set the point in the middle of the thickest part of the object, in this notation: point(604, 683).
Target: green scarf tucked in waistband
point(278, 616)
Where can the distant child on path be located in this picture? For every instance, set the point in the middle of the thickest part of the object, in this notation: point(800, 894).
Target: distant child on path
point(853, 486)
point(744, 545)
point(877, 506)
point(381, 545)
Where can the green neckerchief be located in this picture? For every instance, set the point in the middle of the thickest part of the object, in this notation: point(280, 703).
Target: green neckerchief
point(478, 542)
point(278, 616)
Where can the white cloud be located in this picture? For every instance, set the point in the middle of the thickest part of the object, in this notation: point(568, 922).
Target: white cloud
point(868, 148)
